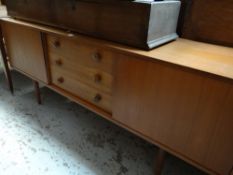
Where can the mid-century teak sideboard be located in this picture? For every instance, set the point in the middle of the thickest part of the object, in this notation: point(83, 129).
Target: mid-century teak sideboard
point(178, 96)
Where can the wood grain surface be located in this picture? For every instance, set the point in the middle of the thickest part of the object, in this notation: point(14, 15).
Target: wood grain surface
point(200, 56)
point(24, 48)
point(82, 69)
point(208, 21)
point(185, 110)
point(178, 96)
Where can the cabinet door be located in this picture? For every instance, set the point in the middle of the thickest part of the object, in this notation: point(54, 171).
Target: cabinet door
point(25, 51)
point(188, 112)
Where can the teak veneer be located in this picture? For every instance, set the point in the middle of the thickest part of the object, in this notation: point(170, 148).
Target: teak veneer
point(178, 96)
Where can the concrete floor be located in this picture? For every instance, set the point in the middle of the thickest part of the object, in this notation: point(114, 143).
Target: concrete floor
point(62, 138)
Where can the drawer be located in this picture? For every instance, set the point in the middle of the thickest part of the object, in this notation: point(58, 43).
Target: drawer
point(62, 79)
point(89, 75)
point(82, 69)
point(81, 53)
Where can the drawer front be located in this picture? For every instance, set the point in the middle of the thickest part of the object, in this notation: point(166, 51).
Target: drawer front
point(81, 53)
point(66, 81)
point(82, 69)
point(91, 76)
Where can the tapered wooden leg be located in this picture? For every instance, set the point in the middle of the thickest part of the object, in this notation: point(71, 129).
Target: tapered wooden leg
point(231, 171)
point(159, 161)
point(37, 91)
point(5, 63)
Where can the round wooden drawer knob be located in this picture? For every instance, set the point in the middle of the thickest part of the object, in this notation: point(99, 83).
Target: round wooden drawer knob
point(97, 98)
point(58, 62)
point(56, 44)
point(97, 78)
point(60, 80)
point(96, 57)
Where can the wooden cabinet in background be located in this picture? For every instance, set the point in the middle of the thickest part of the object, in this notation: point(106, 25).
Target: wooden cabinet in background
point(25, 51)
point(208, 21)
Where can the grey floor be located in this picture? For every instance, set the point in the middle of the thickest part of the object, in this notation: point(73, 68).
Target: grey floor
point(62, 138)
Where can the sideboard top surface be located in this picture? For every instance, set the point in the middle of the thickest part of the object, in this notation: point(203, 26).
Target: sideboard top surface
point(204, 57)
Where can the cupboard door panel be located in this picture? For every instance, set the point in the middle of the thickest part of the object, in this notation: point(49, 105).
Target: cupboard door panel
point(24, 47)
point(186, 111)
point(220, 154)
